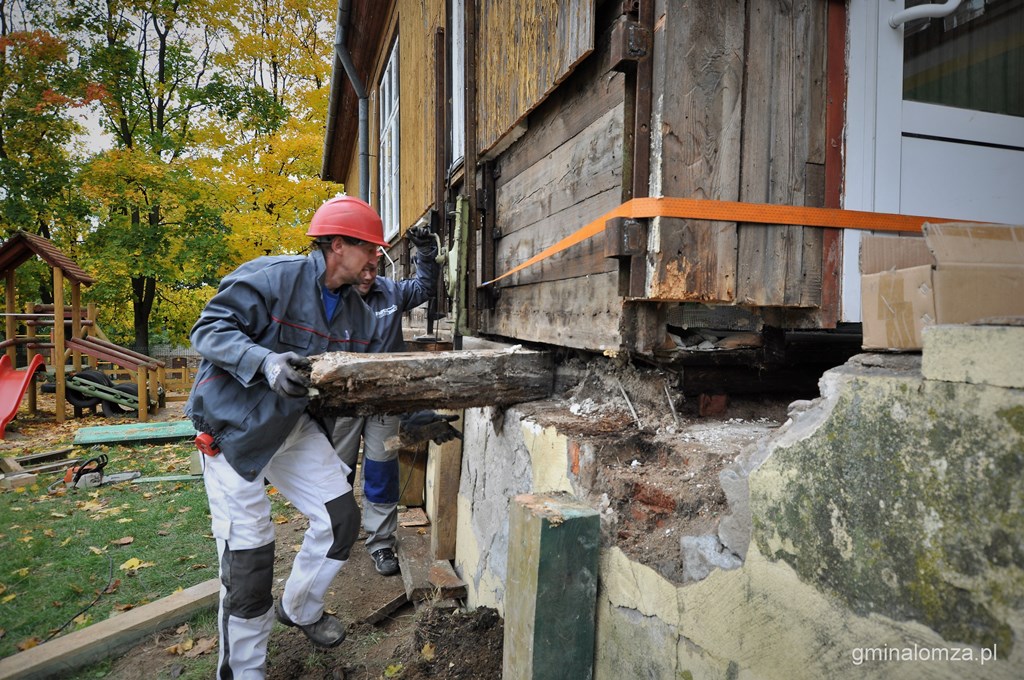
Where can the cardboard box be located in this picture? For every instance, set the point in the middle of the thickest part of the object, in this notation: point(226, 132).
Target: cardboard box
point(956, 273)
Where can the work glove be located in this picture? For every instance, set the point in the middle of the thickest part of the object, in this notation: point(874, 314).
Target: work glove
point(422, 238)
point(423, 425)
point(283, 376)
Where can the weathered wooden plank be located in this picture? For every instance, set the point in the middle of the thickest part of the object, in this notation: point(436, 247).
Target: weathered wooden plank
point(524, 51)
point(586, 96)
point(581, 259)
point(412, 475)
point(584, 166)
point(422, 575)
point(783, 132)
point(105, 639)
point(551, 589)
point(444, 470)
point(695, 152)
point(363, 384)
point(164, 431)
point(571, 313)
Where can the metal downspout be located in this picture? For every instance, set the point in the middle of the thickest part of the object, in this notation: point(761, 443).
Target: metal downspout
point(342, 57)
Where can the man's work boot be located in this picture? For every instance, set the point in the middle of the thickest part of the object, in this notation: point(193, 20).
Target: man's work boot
point(385, 561)
point(327, 632)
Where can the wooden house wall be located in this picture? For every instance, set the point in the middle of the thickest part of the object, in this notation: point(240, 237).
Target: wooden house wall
point(525, 50)
point(563, 172)
point(414, 23)
point(739, 115)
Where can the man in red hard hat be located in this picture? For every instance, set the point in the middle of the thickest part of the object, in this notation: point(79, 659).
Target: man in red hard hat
point(249, 404)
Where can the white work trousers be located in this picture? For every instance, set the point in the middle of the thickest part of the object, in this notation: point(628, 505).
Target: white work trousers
point(306, 471)
point(380, 473)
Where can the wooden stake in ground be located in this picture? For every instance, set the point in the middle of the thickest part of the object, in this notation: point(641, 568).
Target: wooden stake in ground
point(346, 383)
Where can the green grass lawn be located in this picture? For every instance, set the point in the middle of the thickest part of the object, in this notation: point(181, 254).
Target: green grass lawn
point(74, 557)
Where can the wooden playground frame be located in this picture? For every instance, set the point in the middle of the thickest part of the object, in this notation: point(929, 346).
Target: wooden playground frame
point(85, 339)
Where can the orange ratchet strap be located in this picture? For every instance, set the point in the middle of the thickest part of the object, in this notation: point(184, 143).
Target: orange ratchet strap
point(733, 211)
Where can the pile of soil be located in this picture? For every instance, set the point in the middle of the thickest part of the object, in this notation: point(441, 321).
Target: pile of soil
point(655, 477)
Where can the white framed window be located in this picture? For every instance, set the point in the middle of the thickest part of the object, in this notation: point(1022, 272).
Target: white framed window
point(388, 152)
point(457, 78)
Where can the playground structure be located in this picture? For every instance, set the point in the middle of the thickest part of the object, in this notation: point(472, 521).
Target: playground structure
point(67, 354)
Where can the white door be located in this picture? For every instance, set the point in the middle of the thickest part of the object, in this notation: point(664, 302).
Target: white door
point(935, 115)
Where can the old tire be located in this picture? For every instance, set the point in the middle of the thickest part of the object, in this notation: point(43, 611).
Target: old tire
point(112, 409)
point(79, 400)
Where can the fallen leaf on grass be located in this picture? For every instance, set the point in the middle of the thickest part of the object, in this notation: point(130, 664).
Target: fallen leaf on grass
point(65, 541)
point(428, 652)
point(80, 619)
point(23, 572)
point(124, 520)
point(124, 607)
point(8, 598)
point(58, 515)
point(135, 564)
point(95, 551)
point(28, 643)
point(202, 646)
point(181, 647)
point(393, 670)
point(112, 588)
point(125, 540)
point(49, 533)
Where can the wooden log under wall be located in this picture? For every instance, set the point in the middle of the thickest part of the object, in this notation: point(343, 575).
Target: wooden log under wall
point(346, 383)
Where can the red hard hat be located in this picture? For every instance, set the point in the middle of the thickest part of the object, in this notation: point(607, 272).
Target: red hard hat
point(348, 216)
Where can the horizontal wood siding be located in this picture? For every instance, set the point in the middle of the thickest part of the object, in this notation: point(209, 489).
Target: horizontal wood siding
point(525, 49)
point(562, 174)
point(582, 312)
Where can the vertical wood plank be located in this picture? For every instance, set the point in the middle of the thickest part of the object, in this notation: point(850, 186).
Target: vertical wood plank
point(783, 132)
point(444, 470)
point(698, 86)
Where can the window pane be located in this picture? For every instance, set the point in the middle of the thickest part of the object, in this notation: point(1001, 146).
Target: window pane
point(972, 59)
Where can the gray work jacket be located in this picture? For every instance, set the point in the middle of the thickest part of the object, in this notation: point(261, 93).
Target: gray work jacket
point(390, 299)
point(270, 304)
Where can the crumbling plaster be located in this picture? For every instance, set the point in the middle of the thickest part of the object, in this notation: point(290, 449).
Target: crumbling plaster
point(884, 518)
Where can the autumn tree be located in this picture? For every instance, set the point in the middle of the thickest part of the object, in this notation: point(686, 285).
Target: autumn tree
point(40, 91)
point(216, 109)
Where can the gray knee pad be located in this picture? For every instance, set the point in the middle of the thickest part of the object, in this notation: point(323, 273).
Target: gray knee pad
point(344, 514)
point(248, 576)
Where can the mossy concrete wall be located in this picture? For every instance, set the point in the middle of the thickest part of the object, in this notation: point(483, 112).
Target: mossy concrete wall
point(885, 527)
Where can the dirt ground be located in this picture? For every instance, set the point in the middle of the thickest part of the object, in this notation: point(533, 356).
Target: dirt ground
point(432, 639)
point(653, 477)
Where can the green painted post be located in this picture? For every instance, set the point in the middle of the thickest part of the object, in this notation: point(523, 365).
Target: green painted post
point(551, 591)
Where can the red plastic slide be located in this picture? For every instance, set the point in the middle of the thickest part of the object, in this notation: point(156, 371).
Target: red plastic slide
point(13, 383)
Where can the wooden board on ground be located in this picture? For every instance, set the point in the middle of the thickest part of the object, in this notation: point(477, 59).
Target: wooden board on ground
point(425, 577)
point(106, 639)
point(348, 383)
point(136, 433)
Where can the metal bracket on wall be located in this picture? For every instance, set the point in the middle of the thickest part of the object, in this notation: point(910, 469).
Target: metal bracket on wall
point(630, 43)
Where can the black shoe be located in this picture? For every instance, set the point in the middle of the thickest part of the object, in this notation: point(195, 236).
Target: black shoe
point(327, 632)
point(385, 561)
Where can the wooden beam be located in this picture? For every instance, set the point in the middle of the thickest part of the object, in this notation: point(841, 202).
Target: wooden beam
point(363, 384)
point(423, 576)
point(444, 470)
point(551, 588)
point(105, 639)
